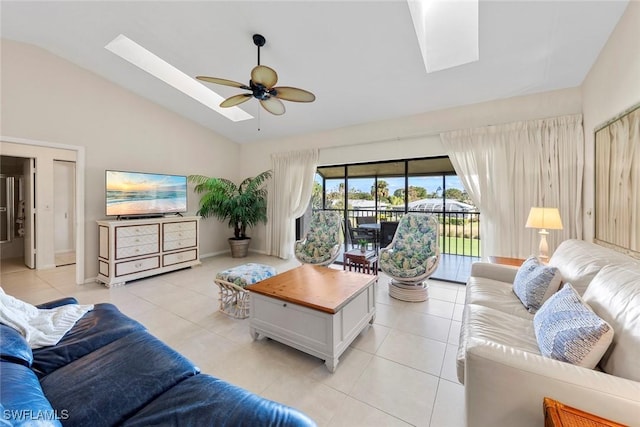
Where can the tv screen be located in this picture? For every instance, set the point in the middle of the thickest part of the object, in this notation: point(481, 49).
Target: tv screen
point(138, 193)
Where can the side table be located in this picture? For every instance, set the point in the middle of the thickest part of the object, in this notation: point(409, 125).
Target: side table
point(516, 262)
point(557, 414)
point(362, 262)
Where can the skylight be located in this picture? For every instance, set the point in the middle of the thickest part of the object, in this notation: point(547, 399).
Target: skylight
point(447, 32)
point(130, 51)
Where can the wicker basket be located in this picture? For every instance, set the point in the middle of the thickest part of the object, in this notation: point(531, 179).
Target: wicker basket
point(234, 300)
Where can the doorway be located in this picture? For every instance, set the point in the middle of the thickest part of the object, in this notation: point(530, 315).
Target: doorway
point(16, 237)
point(43, 154)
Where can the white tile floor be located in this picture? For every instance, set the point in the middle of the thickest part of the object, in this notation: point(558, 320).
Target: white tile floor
point(400, 371)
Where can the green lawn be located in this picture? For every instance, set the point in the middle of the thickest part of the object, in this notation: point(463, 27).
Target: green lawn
point(459, 246)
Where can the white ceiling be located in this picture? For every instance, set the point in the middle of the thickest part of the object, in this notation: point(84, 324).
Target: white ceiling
point(360, 58)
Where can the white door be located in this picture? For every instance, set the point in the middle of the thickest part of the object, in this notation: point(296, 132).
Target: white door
point(29, 171)
point(63, 206)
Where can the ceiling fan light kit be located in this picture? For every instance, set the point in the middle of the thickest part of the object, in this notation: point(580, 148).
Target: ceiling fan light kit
point(263, 87)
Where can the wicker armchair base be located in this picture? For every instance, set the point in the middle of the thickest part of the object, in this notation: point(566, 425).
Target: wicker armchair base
point(410, 293)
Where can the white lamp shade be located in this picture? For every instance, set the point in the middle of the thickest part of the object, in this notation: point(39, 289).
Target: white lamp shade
point(544, 218)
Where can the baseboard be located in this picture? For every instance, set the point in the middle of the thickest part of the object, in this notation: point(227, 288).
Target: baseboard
point(212, 254)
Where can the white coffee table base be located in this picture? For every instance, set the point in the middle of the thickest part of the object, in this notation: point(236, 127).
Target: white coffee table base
point(314, 332)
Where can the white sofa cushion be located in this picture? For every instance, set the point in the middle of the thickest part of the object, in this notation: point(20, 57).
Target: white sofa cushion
point(614, 294)
point(491, 325)
point(568, 330)
point(579, 262)
point(495, 294)
point(535, 283)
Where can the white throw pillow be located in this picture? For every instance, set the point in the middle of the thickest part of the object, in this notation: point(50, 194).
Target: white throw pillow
point(535, 283)
point(568, 330)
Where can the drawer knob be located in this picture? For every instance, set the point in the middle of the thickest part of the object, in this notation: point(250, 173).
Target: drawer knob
point(284, 305)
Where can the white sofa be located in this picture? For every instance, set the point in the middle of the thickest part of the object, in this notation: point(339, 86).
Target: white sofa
point(499, 362)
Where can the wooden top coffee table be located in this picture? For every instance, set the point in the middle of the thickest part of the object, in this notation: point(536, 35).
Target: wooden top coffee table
point(318, 310)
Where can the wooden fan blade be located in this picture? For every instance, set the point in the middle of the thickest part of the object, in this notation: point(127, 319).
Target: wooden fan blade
point(235, 100)
point(223, 82)
point(264, 75)
point(292, 94)
point(273, 105)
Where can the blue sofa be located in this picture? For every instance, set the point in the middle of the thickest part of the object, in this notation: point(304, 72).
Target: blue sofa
point(108, 370)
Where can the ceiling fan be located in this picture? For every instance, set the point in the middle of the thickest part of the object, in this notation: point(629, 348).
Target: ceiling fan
point(261, 85)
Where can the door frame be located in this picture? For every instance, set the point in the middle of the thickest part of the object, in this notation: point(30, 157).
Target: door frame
point(79, 196)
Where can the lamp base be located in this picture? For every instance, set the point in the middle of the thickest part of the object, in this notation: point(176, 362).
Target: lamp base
point(543, 249)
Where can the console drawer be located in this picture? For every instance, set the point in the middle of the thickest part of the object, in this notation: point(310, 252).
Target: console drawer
point(130, 267)
point(143, 239)
point(136, 230)
point(188, 242)
point(131, 251)
point(179, 257)
point(179, 226)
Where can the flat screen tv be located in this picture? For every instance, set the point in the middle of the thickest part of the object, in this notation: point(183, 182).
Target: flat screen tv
point(144, 194)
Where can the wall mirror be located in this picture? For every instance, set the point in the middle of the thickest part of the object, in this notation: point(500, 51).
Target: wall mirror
point(617, 186)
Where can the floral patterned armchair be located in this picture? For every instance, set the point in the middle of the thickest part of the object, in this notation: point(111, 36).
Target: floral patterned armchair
point(321, 244)
point(412, 256)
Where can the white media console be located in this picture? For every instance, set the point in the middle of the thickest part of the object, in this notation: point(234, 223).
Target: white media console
point(136, 248)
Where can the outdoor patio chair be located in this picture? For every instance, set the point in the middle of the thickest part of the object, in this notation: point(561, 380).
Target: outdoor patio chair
point(366, 220)
point(357, 235)
point(321, 244)
point(387, 231)
point(412, 256)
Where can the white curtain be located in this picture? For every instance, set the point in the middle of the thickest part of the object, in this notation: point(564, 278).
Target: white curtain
point(508, 169)
point(288, 198)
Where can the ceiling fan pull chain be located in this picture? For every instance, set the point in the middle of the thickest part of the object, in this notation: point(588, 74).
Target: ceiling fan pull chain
point(259, 119)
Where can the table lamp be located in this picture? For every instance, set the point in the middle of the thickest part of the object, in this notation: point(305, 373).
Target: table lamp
point(544, 218)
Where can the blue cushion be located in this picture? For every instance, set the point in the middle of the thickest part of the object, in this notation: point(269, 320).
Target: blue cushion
point(535, 283)
point(13, 347)
point(568, 330)
point(206, 401)
point(22, 398)
point(99, 327)
point(110, 384)
point(4, 419)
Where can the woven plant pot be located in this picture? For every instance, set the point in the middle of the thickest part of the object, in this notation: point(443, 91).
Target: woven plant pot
point(239, 247)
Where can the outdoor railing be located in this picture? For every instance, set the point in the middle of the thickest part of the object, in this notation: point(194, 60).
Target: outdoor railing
point(459, 231)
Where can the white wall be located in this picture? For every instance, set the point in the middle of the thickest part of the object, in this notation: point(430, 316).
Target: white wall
point(408, 137)
point(611, 86)
point(49, 99)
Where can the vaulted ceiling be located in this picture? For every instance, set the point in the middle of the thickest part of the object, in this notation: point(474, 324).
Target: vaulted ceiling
point(360, 58)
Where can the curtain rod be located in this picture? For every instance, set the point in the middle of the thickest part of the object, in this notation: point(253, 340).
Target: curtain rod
point(390, 139)
point(438, 132)
point(617, 117)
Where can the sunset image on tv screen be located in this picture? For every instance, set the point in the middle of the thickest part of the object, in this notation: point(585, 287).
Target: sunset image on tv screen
point(135, 193)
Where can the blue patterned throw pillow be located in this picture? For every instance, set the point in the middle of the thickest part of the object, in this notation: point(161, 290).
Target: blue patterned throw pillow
point(535, 283)
point(568, 330)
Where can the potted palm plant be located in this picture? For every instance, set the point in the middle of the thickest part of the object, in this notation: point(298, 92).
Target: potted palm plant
point(243, 205)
